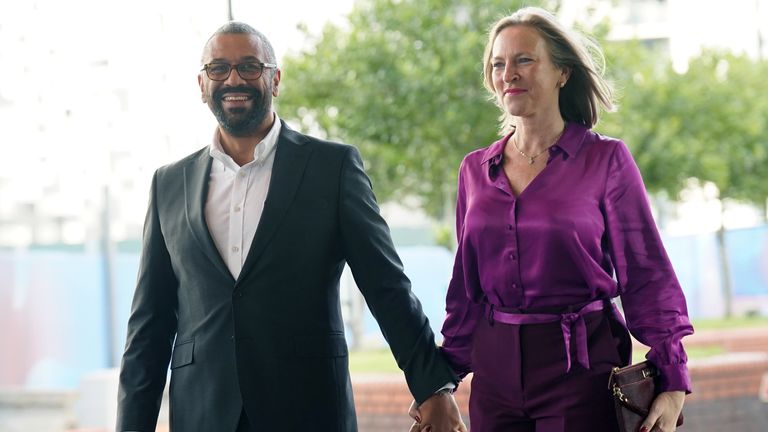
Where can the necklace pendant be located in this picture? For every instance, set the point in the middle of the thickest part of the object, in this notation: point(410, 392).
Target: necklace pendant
point(531, 160)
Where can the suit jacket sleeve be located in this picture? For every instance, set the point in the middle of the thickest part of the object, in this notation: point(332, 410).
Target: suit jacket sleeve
point(151, 330)
point(378, 273)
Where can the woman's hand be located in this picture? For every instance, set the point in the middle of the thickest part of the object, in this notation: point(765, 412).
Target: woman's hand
point(664, 412)
point(439, 413)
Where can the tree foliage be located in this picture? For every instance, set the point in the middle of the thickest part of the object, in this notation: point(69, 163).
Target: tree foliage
point(403, 82)
point(708, 123)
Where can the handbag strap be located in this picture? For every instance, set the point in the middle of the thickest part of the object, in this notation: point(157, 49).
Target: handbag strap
point(622, 399)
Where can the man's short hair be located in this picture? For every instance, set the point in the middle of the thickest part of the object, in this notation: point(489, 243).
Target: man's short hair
point(237, 27)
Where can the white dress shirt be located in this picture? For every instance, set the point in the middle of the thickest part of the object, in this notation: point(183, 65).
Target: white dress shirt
point(236, 196)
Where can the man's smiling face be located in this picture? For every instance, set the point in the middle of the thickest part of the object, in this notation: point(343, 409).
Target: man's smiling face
point(240, 105)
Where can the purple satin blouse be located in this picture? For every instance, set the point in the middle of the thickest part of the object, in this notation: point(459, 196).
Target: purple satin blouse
point(584, 218)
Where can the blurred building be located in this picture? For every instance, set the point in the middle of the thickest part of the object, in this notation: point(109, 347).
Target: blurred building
point(91, 104)
point(96, 95)
point(680, 28)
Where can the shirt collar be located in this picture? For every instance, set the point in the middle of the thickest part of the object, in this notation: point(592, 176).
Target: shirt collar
point(569, 143)
point(494, 152)
point(573, 138)
point(260, 153)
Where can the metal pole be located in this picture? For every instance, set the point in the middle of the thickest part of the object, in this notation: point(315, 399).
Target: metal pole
point(725, 268)
point(107, 258)
point(229, 10)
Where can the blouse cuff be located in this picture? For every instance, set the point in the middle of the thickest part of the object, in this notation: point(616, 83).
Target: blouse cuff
point(674, 377)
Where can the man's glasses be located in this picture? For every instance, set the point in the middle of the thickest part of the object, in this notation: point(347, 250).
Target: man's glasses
point(247, 71)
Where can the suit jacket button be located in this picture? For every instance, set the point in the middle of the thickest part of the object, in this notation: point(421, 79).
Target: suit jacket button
point(238, 294)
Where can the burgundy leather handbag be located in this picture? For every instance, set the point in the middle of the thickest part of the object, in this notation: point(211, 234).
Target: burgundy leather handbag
point(634, 389)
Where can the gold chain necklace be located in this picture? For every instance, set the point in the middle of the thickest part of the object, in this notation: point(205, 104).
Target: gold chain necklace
point(532, 159)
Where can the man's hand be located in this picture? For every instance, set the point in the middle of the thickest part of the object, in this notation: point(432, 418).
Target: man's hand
point(439, 413)
point(664, 412)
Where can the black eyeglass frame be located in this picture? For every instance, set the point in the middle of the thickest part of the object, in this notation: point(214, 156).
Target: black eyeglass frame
point(261, 66)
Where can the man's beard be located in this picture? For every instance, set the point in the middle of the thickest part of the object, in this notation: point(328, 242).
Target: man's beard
point(241, 122)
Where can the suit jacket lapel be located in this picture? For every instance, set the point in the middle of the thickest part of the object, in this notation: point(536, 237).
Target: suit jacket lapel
point(291, 156)
point(196, 175)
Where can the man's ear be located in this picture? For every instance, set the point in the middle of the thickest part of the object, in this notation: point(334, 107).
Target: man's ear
point(276, 83)
point(200, 83)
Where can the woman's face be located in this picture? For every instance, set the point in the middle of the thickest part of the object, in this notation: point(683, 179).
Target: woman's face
point(525, 81)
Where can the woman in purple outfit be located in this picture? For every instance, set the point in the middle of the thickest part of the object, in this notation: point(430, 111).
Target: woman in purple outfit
point(553, 222)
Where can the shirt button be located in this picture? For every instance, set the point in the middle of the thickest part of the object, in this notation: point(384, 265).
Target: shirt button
point(514, 285)
point(237, 208)
point(512, 256)
point(235, 248)
point(510, 227)
point(241, 173)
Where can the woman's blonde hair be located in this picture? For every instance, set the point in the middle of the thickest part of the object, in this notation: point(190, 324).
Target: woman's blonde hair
point(585, 90)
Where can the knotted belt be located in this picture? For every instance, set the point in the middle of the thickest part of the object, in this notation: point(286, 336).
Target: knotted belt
point(572, 322)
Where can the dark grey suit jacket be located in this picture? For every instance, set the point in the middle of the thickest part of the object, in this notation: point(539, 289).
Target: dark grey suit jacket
point(272, 341)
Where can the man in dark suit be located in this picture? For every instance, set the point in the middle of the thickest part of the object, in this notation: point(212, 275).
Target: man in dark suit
point(238, 285)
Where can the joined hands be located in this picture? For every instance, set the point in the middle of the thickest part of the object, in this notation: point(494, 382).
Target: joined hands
point(439, 413)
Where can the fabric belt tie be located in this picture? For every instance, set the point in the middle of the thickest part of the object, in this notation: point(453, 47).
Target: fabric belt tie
point(572, 322)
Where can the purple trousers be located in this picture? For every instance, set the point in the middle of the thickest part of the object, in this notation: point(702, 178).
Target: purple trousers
point(520, 383)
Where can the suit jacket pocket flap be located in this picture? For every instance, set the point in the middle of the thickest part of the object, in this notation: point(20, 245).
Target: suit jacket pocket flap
point(183, 354)
point(324, 345)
